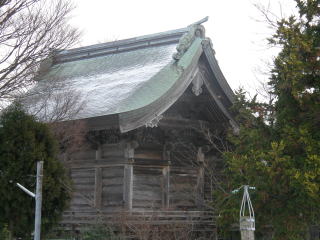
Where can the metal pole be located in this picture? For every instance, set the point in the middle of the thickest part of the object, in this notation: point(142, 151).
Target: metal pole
point(37, 227)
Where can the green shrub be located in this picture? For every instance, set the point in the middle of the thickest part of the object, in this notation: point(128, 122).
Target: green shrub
point(4, 233)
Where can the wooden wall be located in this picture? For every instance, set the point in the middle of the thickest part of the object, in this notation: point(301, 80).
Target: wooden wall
point(83, 188)
point(117, 177)
point(147, 188)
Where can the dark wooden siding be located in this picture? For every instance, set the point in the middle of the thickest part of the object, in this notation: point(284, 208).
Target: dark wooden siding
point(147, 188)
point(83, 189)
point(112, 188)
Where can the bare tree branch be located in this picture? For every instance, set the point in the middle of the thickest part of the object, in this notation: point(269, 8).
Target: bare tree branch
point(30, 30)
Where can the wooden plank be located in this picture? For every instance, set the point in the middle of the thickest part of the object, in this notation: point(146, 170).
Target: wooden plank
point(113, 199)
point(183, 188)
point(113, 189)
point(128, 186)
point(112, 150)
point(150, 180)
point(83, 180)
point(147, 204)
point(153, 171)
point(113, 172)
point(104, 163)
point(84, 188)
point(113, 181)
point(84, 172)
point(148, 154)
point(98, 188)
point(80, 201)
point(150, 196)
point(83, 155)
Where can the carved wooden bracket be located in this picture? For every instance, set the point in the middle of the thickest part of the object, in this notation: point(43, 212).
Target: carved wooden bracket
point(100, 137)
point(154, 122)
point(197, 83)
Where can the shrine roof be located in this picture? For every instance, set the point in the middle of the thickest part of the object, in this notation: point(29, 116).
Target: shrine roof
point(123, 78)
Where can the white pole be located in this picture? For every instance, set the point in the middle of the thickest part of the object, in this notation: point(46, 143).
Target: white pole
point(31, 194)
point(37, 227)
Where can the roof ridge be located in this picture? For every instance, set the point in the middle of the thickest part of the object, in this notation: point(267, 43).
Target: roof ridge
point(143, 41)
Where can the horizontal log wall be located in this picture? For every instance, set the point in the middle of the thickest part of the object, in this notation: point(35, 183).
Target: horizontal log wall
point(116, 178)
point(183, 188)
point(147, 188)
point(112, 188)
point(83, 189)
point(98, 179)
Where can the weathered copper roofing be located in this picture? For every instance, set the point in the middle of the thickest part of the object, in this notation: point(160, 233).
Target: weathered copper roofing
point(133, 80)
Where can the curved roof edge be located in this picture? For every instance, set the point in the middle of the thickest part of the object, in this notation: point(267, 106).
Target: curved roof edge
point(186, 60)
point(177, 75)
point(213, 63)
point(183, 71)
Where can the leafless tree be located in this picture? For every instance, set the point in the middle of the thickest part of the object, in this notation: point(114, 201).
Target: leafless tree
point(213, 164)
point(30, 31)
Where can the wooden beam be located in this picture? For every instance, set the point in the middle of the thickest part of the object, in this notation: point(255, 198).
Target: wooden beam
point(145, 154)
point(128, 186)
point(191, 98)
point(98, 188)
point(182, 123)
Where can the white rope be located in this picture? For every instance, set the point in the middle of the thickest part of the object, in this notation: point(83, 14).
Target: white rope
point(246, 204)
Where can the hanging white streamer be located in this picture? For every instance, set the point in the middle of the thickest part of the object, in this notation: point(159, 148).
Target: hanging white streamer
point(246, 204)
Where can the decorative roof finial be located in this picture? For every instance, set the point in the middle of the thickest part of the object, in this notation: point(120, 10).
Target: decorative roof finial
point(195, 30)
point(203, 20)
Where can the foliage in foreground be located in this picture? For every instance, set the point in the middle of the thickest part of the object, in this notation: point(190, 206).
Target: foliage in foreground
point(23, 142)
point(100, 232)
point(278, 152)
point(4, 233)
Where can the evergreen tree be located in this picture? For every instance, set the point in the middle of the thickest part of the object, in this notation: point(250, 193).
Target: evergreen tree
point(279, 151)
point(23, 142)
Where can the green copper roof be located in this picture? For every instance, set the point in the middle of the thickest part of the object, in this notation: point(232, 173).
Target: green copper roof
point(127, 83)
point(115, 78)
point(159, 83)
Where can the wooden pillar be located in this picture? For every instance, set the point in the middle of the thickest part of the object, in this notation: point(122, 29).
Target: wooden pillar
point(128, 174)
point(166, 187)
point(128, 186)
point(200, 178)
point(166, 179)
point(99, 152)
point(98, 188)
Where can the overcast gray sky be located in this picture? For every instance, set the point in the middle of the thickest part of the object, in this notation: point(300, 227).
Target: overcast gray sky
point(238, 38)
